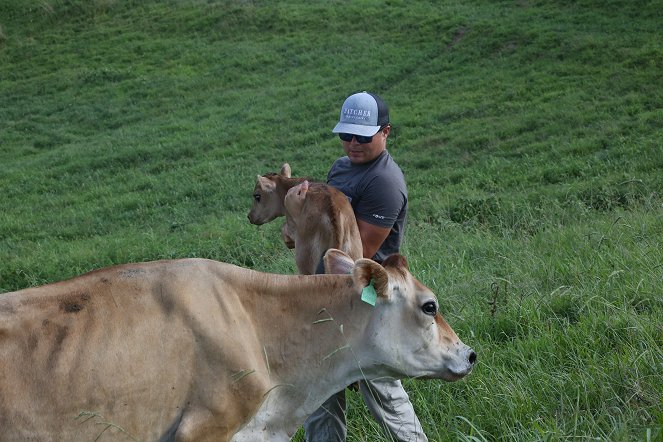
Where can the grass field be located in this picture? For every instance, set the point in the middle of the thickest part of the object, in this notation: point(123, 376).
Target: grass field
point(530, 133)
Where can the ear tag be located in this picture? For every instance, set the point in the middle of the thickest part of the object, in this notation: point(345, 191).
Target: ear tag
point(369, 295)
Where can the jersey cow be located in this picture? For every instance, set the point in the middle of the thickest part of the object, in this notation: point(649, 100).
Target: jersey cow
point(198, 350)
point(318, 217)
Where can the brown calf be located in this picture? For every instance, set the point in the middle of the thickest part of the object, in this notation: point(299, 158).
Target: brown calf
point(318, 217)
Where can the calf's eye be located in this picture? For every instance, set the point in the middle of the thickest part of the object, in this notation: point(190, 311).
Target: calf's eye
point(429, 308)
point(257, 197)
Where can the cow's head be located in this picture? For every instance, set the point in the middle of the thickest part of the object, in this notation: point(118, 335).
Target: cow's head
point(268, 197)
point(407, 333)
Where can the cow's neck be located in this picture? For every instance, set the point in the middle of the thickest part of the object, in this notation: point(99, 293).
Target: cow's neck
point(321, 341)
point(315, 341)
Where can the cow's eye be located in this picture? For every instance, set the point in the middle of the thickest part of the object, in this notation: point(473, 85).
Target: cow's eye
point(256, 197)
point(430, 308)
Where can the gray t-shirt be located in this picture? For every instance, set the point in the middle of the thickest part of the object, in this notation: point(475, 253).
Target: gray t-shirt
point(378, 195)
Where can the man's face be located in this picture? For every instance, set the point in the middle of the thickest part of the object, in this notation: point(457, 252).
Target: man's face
point(363, 153)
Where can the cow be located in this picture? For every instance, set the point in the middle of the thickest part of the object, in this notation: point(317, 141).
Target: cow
point(318, 217)
point(200, 350)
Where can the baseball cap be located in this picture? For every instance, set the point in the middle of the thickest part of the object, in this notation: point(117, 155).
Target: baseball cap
point(362, 114)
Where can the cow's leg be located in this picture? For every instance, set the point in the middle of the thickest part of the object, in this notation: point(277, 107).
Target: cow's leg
point(200, 424)
point(277, 420)
point(287, 237)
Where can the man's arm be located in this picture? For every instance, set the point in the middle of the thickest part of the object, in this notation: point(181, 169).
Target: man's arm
point(372, 237)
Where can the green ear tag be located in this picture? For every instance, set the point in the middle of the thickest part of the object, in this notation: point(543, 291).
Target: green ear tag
point(368, 294)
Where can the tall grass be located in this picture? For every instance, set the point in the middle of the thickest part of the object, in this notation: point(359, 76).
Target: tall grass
point(529, 133)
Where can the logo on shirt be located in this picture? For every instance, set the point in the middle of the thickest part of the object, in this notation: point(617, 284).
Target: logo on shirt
point(375, 215)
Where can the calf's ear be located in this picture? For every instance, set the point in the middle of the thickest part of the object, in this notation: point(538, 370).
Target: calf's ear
point(299, 190)
point(285, 170)
point(366, 270)
point(337, 262)
point(266, 183)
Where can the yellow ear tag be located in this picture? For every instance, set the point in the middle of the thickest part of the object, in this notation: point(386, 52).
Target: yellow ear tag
point(369, 295)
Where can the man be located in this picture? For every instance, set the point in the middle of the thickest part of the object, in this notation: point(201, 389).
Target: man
point(375, 186)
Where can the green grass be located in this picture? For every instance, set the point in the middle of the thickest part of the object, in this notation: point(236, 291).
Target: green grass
point(529, 132)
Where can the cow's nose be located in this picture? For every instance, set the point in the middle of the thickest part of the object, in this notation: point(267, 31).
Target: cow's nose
point(473, 357)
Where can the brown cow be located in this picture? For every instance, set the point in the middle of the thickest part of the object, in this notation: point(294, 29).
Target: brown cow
point(318, 217)
point(197, 350)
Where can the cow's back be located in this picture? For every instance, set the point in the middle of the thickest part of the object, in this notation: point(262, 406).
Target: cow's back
point(135, 346)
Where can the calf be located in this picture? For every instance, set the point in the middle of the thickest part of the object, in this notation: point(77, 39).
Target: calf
point(318, 217)
point(199, 350)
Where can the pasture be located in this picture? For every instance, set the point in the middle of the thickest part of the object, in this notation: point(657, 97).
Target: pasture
point(530, 134)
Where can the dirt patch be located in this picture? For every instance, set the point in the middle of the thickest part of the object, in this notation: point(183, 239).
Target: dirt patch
point(74, 303)
point(458, 36)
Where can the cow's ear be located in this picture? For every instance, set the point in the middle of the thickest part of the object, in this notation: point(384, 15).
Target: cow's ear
point(337, 262)
point(397, 262)
point(285, 170)
point(298, 191)
point(366, 270)
point(266, 183)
